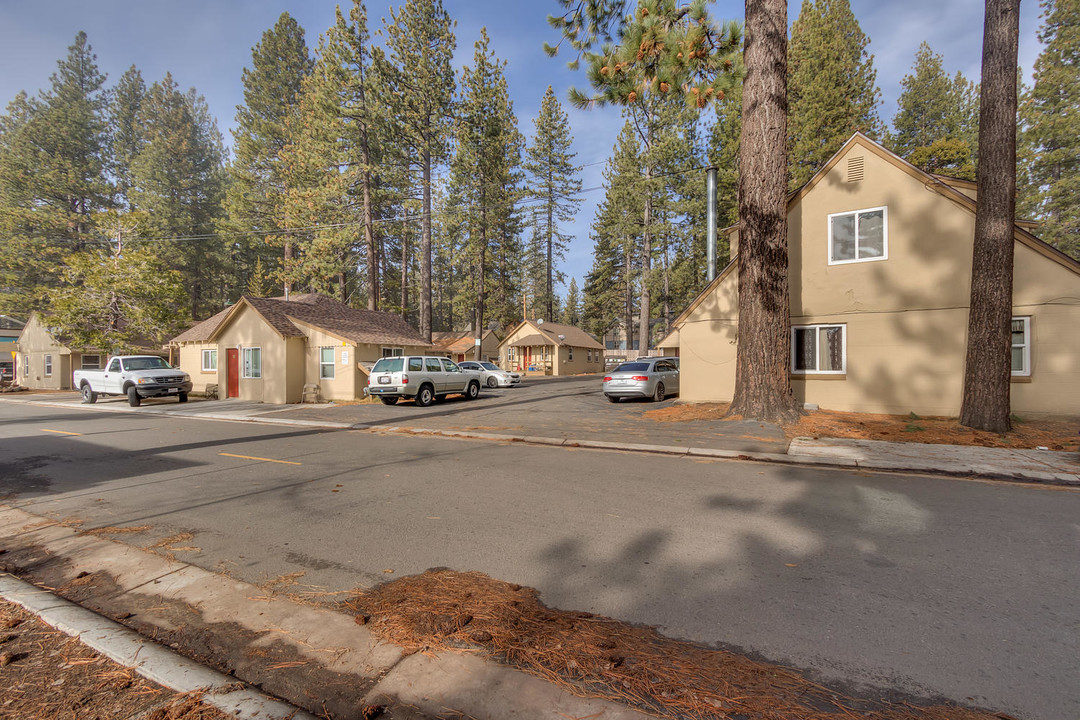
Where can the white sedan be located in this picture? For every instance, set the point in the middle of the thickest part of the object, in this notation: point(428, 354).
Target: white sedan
point(491, 374)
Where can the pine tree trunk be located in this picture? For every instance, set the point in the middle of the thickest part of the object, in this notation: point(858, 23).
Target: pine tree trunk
point(645, 310)
point(988, 369)
point(550, 241)
point(629, 297)
point(762, 367)
point(369, 239)
point(425, 245)
point(405, 267)
point(288, 266)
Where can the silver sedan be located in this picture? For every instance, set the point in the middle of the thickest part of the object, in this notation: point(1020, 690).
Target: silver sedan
point(491, 374)
point(654, 378)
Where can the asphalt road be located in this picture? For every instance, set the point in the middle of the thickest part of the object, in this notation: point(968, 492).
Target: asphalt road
point(931, 586)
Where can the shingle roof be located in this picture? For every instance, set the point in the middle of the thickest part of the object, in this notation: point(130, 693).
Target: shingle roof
point(549, 334)
point(318, 311)
point(456, 341)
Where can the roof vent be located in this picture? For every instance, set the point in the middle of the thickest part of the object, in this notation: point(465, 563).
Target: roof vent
point(855, 169)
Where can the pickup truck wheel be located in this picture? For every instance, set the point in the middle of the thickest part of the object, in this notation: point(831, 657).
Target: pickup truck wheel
point(133, 397)
point(473, 391)
point(88, 395)
point(425, 396)
point(183, 397)
point(389, 400)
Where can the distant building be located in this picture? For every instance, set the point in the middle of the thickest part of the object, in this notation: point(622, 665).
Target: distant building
point(549, 348)
point(460, 345)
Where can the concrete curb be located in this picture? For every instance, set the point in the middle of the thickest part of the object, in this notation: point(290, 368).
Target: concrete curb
point(152, 661)
point(838, 462)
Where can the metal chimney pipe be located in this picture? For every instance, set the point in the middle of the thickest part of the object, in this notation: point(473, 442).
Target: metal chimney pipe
point(710, 222)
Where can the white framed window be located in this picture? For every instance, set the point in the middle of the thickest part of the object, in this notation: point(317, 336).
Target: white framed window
point(209, 360)
point(91, 362)
point(326, 363)
point(26, 368)
point(252, 363)
point(393, 352)
point(48, 366)
point(859, 236)
point(570, 354)
point(819, 349)
point(1021, 346)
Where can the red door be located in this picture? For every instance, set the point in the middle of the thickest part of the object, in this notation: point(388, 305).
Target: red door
point(232, 360)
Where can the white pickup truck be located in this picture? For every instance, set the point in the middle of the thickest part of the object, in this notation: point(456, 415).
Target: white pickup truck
point(137, 376)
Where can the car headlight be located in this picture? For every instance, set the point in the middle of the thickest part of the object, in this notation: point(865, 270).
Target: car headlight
point(144, 381)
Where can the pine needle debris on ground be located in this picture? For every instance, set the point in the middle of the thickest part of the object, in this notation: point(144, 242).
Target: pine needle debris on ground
point(45, 673)
point(598, 657)
point(1052, 433)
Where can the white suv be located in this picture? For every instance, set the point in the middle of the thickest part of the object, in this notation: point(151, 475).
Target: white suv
point(424, 378)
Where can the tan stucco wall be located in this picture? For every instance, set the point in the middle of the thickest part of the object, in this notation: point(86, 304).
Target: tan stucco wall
point(343, 386)
point(580, 364)
point(906, 316)
point(36, 342)
point(189, 359)
point(247, 329)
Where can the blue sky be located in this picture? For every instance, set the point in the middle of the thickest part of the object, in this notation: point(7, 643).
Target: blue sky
point(207, 43)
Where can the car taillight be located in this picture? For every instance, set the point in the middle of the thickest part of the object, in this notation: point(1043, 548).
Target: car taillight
point(607, 379)
point(640, 378)
point(404, 379)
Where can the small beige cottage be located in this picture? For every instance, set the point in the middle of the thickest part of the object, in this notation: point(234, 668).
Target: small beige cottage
point(880, 282)
point(270, 349)
point(551, 349)
point(43, 362)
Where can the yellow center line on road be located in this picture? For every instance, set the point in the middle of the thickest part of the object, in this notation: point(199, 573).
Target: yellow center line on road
point(60, 432)
point(249, 457)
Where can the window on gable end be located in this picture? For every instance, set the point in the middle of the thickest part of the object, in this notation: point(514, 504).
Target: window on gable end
point(859, 236)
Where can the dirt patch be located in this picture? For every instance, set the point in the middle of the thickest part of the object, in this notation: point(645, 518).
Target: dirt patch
point(47, 674)
point(594, 656)
point(1053, 434)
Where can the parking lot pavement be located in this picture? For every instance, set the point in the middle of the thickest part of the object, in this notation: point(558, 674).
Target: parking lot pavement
point(571, 409)
point(567, 408)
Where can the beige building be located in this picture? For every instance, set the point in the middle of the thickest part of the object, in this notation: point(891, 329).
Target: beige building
point(270, 349)
point(44, 363)
point(461, 345)
point(550, 348)
point(880, 278)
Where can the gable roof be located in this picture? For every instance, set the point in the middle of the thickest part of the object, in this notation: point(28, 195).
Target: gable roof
point(557, 334)
point(937, 183)
point(316, 311)
point(457, 341)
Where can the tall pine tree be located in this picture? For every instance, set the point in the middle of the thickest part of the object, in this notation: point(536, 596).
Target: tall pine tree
point(279, 64)
point(832, 90)
point(1050, 112)
point(936, 123)
point(420, 42)
point(178, 183)
point(485, 172)
point(53, 158)
point(553, 185)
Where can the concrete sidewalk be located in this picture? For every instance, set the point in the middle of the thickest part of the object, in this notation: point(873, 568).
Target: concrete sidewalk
point(715, 439)
point(315, 657)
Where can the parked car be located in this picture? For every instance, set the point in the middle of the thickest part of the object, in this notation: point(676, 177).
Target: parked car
point(137, 376)
point(422, 378)
point(491, 374)
point(654, 378)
